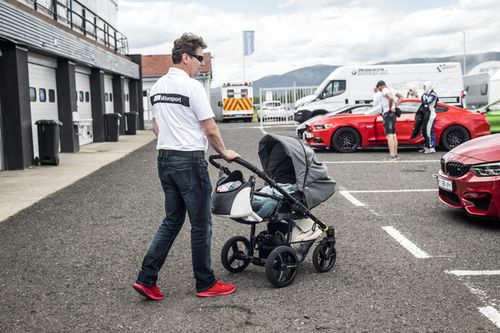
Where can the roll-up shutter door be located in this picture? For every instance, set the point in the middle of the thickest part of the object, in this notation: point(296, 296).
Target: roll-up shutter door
point(1, 141)
point(108, 94)
point(42, 92)
point(83, 116)
point(126, 91)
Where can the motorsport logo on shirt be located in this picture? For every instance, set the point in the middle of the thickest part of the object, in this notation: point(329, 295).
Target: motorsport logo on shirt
point(170, 98)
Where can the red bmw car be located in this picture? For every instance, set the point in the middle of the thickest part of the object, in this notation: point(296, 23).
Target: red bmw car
point(470, 177)
point(346, 132)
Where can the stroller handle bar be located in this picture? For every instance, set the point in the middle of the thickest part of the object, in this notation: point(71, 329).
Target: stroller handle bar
point(212, 159)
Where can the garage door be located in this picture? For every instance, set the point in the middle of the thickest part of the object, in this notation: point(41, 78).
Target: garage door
point(42, 91)
point(1, 142)
point(126, 91)
point(108, 93)
point(83, 116)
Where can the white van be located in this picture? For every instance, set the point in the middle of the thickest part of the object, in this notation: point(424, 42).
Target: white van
point(354, 85)
point(478, 86)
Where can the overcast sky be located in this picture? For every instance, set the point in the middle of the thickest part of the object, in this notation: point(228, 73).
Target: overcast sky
point(290, 34)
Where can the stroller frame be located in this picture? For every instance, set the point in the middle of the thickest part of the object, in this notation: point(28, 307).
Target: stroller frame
point(280, 259)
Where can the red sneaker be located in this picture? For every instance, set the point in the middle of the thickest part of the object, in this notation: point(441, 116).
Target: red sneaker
point(153, 292)
point(218, 289)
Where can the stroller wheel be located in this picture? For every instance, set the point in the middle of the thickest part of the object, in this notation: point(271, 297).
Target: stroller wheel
point(234, 254)
point(281, 266)
point(324, 256)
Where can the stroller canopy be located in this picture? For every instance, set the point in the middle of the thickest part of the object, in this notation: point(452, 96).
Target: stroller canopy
point(285, 159)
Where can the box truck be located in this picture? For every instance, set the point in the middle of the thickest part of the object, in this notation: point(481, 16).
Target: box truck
point(237, 101)
point(354, 85)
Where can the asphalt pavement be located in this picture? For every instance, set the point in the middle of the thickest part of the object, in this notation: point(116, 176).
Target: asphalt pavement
point(404, 259)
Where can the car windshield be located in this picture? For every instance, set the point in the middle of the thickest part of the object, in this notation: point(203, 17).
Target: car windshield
point(340, 110)
point(373, 111)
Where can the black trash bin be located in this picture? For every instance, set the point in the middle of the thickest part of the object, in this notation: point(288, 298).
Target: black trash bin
point(131, 122)
point(48, 141)
point(111, 126)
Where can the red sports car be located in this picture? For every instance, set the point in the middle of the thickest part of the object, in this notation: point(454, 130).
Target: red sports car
point(346, 132)
point(470, 177)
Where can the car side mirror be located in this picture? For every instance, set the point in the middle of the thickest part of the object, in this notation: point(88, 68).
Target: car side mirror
point(219, 104)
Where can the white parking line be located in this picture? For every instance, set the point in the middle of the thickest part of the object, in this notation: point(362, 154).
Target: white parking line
point(352, 199)
point(377, 162)
point(473, 273)
point(492, 314)
point(395, 191)
point(406, 243)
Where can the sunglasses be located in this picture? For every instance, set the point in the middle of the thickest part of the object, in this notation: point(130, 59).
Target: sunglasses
point(200, 58)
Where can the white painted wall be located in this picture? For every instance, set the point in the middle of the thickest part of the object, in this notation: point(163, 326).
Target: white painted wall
point(106, 9)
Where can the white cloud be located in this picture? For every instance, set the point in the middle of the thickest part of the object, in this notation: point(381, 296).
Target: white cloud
point(302, 33)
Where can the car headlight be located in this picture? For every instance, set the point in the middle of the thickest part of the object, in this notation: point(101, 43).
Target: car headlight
point(322, 127)
point(486, 170)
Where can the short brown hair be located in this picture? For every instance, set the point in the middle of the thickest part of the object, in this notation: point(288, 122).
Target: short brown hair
point(187, 43)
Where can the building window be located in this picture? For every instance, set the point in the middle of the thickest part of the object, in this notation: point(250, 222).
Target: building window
point(52, 95)
point(106, 97)
point(80, 98)
point(42, 95)
point(484, 89)
point(87, 96)
point(32, 94)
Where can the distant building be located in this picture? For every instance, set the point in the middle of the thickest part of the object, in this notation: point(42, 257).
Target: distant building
point(63, 61)
point(155, 66)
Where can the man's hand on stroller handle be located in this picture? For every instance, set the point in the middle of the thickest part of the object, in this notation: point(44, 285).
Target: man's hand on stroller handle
point(229, 155)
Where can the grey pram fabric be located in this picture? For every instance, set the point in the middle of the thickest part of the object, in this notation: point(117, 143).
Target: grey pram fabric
point(311, 176)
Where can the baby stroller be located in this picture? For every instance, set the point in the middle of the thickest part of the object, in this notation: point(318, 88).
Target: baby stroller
point(291, 227)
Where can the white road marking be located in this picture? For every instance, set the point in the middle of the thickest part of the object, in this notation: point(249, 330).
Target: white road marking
point(394, 191)
point(406, 243)
point(377, 162)
point(352, 199)
point(492, 314)
point(473, 273)
point(488, 310)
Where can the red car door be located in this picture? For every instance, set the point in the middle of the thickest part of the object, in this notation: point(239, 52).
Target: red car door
point(404, 124)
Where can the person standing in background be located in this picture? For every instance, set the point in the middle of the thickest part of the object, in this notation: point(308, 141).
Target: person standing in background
point(389, 99)
point(429, 100)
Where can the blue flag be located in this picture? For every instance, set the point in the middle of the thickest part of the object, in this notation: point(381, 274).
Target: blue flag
point(248, 47)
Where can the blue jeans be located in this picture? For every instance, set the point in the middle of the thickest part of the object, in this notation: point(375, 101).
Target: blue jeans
point(187, 187)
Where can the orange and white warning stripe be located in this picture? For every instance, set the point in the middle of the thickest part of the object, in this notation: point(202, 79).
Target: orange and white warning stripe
point(236, 104)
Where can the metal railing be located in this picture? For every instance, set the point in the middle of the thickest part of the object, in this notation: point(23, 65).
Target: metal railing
point(81, 19)
point(286, 98)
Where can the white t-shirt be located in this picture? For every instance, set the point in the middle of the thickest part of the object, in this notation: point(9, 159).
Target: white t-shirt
point(178, 104)
point(384, 101)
